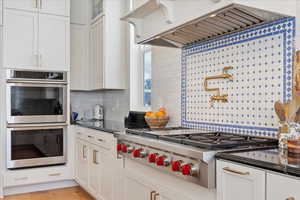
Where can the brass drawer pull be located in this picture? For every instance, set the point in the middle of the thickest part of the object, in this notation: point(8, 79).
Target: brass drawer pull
point(90, 136)
point(155, 196)
point(95, 157)
point(236, 171)
point(83, 152)
point(101, 140)
point(151, 194)
point(55, 174)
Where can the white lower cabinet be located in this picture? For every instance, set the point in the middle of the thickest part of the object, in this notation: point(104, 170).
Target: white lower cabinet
point(81, 165)
point(94, 169)
point(139, 189)
point(95, 164)
point(136, 190)
point(236, 182)
point(281, 187)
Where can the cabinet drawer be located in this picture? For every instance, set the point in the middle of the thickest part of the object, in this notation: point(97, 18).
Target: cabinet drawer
point(104, 140)
point(81, 133)
point(235, 181)
point(34, 176)
point(282, 188)
point(100, 138)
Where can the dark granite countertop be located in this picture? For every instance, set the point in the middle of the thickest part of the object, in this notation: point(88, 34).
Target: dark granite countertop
point(109, 126)
point(271, 159)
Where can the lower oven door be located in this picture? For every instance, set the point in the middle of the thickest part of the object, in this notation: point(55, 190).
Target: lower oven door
point(36, 146)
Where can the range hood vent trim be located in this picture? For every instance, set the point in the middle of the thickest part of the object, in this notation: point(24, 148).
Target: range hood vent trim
point(230, 19)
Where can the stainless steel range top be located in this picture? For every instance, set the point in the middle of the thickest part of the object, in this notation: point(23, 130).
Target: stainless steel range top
point(185, 153)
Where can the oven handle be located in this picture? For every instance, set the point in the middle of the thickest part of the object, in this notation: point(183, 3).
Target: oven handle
point(36, 127)
point(36, 84)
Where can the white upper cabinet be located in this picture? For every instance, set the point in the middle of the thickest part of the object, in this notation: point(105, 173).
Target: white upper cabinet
point(27, 5)
point(79, 57)
point(20, 39)
point(54, 42)
point(34, 40)
point(56, 7)
point(96, 54)
point(236, 182)
point(281, 187)
point(104, 69)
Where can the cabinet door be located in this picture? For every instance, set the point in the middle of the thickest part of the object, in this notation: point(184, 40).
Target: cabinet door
point(107, 176)
point(95, 170)
point(96, 54)
point(135, 190)
point(81, 163)
point(79, 57)
point(55, 7)
point(54, 42)
point(28, 5)
point(20, 39)
point(236, 182)
point(282, 187)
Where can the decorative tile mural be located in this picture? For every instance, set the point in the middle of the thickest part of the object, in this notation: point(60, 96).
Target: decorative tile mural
point(262, 61)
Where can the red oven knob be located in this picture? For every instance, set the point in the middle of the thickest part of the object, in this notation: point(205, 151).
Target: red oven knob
point(189, 170)
point(162, 161)
point(137, 153)
point(119, 147)
point(176, 165)
point(152, 158)
point(124, 148)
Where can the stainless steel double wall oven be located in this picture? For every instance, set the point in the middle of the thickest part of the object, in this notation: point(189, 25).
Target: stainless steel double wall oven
point(36, 118)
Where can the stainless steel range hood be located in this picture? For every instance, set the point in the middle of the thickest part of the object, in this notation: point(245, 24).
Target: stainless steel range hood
point(227, 20)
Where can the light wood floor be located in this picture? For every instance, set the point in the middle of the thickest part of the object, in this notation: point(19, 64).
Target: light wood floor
point(73, 193)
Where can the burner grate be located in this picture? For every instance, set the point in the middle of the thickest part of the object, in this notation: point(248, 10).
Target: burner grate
point(218, 140)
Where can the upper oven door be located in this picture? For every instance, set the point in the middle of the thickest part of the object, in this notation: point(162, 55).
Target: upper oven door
point(36, 102)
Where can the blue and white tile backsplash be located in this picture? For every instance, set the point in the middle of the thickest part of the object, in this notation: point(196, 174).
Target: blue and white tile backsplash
point(262, 60)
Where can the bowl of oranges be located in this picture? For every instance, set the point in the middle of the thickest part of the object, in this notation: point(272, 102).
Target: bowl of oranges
point(157, 119)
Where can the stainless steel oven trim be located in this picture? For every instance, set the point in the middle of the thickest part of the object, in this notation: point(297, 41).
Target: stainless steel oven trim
point(9, 76)
point(37, 161)
point(35, 118)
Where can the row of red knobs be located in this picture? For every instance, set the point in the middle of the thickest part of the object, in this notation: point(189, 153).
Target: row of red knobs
point(159, 160)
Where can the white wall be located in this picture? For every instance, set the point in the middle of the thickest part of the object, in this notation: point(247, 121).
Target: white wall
point(166, 82)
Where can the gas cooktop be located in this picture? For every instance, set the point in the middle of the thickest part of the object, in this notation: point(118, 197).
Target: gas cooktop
point(185, 153)
point(218, 140)
point(203, 139)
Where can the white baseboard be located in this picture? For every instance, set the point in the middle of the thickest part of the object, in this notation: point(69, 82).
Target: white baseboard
point(39, 187)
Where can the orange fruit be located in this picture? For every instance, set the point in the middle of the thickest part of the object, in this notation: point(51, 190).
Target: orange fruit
point(148, 114)
point(152, 115)
point(160, 114)
point(163, 110)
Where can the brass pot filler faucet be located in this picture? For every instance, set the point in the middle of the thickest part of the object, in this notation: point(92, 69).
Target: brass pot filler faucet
point(218, 97)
